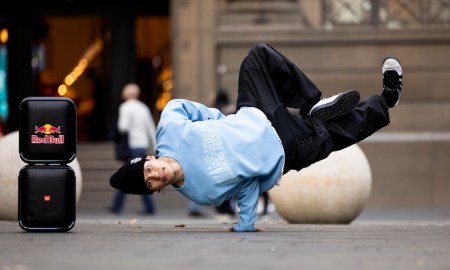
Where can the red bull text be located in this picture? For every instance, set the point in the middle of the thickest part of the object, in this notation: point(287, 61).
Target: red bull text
point(48, 130)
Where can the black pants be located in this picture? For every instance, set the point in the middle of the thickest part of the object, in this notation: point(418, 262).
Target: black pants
point(272, 83)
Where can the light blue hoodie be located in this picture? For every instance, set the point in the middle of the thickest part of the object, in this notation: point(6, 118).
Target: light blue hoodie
point(222, 157)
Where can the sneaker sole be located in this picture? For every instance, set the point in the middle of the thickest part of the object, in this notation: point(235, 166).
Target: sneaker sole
point(343, 104)
point(393, 67)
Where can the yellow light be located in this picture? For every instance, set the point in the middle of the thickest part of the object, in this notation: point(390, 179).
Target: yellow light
point(83, 63)
point(167, 85)
point(78, 70)
point(4, 35)
point(62, 90)
point(69, 79)
point(75, 74)
point(162, 100)
point(98, 46)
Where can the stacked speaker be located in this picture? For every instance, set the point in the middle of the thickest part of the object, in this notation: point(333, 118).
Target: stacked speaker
point(47, 143)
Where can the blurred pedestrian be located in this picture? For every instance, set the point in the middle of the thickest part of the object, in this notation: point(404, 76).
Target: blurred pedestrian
point(136, 121)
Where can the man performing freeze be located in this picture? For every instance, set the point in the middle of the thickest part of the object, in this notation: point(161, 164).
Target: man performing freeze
point(209, 157)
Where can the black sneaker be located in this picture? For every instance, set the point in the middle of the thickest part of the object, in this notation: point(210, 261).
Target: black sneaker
point(336, 105)
point(392, 80)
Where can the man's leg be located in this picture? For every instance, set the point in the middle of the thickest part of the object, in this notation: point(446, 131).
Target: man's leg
point(271, 82)
point(369, 116)
point(372, 113)
point(305, 139)
point(148, 203)
point(366, 118)
point(118, 202)
point(267, 79)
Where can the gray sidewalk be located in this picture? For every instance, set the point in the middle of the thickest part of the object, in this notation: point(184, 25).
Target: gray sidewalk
point(377, 239)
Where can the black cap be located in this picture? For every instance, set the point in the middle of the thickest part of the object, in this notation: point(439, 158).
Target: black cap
point(130, 177)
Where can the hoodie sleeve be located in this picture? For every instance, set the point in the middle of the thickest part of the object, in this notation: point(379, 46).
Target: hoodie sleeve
point(247, 201)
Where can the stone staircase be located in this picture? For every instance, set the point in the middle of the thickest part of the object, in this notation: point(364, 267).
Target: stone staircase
point(97, 164)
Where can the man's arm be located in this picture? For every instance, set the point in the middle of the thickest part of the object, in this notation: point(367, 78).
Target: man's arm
point(247, 201)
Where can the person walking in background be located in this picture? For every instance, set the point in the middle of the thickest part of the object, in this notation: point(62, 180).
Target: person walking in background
point(136, 121)
point(222, 102)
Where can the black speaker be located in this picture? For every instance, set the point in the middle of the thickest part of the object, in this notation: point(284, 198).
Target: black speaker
point(47, 142)
point(47, 198)
point(47, 130)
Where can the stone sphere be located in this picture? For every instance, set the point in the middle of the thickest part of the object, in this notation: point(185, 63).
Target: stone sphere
point(10, 165)
point(333, 190)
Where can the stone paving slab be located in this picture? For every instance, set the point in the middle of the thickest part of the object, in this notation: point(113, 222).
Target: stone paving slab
point(175, 242)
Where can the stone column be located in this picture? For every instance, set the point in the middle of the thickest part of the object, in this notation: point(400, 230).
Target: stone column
point(194, 49)
point(123, 60)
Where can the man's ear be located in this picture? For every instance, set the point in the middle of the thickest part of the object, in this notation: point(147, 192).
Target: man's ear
point(150, 157)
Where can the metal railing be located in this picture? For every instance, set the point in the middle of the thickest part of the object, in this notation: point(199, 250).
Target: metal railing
point(334, 13)
point(386, 13)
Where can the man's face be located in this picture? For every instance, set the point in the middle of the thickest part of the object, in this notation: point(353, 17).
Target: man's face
point(157, 173)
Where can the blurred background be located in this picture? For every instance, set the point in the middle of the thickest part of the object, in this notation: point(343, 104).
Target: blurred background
point(88, 50)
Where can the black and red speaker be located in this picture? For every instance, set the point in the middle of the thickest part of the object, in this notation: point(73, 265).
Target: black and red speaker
point(47, 197)
point(47, 185)
point(47, 133)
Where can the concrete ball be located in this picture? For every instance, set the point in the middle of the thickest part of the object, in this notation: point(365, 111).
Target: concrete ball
point(10, 165)
point(333, 190)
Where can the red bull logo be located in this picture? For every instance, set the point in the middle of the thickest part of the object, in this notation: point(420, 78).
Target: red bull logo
point(47, 129)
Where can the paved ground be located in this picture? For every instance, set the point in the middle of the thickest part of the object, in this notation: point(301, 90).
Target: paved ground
point(378, 239)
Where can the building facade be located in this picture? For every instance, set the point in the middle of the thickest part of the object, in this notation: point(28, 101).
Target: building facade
point(340, 45)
